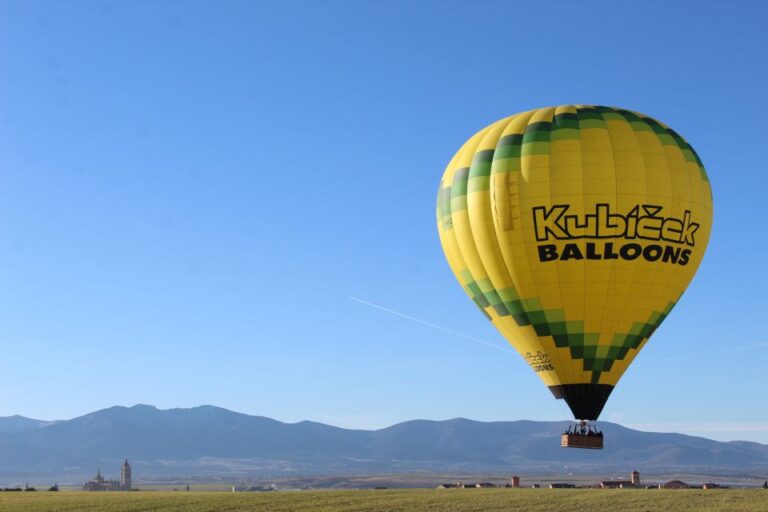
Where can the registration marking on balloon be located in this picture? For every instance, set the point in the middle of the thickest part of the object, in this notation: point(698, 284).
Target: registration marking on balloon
point(575, 230)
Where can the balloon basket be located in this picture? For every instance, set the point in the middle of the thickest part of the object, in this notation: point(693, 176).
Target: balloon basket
point(591, 442)
point(582, 435)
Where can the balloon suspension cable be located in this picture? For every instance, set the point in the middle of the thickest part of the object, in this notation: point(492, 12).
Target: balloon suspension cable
point(584, 428)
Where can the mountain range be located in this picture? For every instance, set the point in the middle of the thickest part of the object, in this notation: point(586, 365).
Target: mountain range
point(209, 441)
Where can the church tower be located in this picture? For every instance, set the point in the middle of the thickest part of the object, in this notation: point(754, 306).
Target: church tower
point(125, 476)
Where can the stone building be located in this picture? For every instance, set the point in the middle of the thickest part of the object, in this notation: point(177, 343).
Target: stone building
point(675, 484)
point(634, 481)
point(125, 476)
point(99, 483)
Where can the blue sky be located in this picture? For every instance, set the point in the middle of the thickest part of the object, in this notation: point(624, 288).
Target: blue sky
point(211, 203)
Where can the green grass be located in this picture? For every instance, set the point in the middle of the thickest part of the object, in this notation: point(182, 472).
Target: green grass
point(458, 500)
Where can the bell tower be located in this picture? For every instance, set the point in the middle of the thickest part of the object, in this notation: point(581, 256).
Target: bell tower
point(125, 476)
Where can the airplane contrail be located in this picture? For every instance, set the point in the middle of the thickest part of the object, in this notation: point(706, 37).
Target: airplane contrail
point(747, 347)
point(497, 347)
point(430, 324)
point(740, 348)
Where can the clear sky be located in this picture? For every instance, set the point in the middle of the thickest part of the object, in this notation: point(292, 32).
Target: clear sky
point(212, 203)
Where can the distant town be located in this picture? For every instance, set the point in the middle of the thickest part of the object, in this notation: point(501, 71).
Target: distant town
point(100, 483)
point(633, 483)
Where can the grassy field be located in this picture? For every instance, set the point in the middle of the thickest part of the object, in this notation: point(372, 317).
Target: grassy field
point(459, 500)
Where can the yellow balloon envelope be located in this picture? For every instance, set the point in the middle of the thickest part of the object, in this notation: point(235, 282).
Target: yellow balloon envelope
point(575, 230)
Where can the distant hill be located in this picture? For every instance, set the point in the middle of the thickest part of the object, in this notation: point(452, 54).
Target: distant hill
point(20, 424)
point(211, 441)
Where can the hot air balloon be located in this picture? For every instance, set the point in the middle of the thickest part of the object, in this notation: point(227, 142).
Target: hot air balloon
point(575, 230)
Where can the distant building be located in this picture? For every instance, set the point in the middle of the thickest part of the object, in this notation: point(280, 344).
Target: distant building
point(675, 484)
point(634, 481)
point(515, 481)
point(125, 476)
point(616, 484)
point(462, 485)
point(561, 486)
point(263, 488)
point(99, 483)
